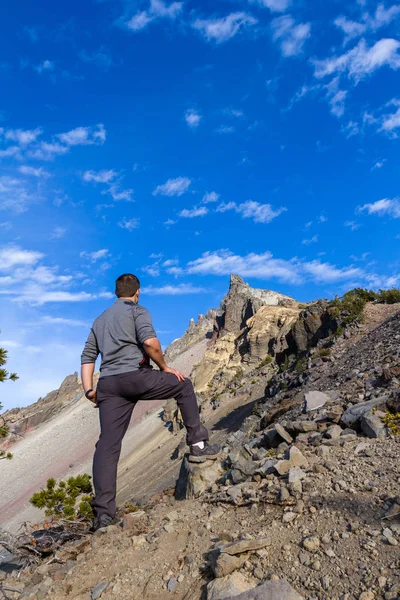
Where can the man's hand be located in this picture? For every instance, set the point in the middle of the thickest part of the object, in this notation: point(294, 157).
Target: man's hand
point(177, 374)
point(93, 398)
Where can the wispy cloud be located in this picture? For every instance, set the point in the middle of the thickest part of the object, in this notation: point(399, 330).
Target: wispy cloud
point(157, 10)
point(197, 211)
point(222, 29)
point(368, 22)
point(129, 224)
point(361, 61)
point(95, 256)
point(290, 35)
point(58, 233)
point(45, 66)
point(266, 266)
point(181, 289)
point(17, 195)
point(274, 5)
point(12, 256)
point(173, 187)
point(101, 58)
point(34, 172)
point(260, 213)
point(379, 163)
point(312, 240)
point(210, 197)
point(225, 129)
point(103, 176)
point(352, 225)
point(24, 137)
point(84, 136)
point(385, 207)
point(193, 118)
point(49, 320)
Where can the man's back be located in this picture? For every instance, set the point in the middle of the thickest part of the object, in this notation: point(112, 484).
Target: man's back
point(118, 334)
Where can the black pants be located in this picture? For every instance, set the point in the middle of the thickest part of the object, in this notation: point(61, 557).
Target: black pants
point(116, 398)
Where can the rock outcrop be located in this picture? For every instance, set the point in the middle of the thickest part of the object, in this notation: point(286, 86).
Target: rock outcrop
point(250, 324)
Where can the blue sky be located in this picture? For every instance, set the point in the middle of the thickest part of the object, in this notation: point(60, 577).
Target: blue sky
point(184, 141)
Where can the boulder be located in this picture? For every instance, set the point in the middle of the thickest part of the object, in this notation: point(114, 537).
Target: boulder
point(315, 400)
point(352, 416)
point(372, 426)
point(270, 590)
point(228, 587)
point(195, 478)
point(227, 563)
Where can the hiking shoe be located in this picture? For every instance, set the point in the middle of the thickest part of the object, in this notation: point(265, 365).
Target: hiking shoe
point(102, 522)
point(209, 452)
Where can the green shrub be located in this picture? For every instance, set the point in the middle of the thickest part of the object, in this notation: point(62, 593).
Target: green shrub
point(389, 296)
point(350, 306)
point(4, 376)
point(69, 499)
point(301, 365)
point(266, 361)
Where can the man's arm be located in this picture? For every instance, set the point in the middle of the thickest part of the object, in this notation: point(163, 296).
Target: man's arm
point(152, 347)
point(88, 360)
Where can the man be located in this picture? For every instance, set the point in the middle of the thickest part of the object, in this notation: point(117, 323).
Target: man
point(126, 340)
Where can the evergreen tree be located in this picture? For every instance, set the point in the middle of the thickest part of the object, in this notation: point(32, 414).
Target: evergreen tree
point(4, 376)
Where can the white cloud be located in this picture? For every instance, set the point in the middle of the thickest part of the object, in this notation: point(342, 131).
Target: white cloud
point(170, 222)
point(385, 207)
point(11, 151)
point(39, 172)
point(129, 224)
point(46, 65)
point(312, 240)
point(336, 97)
point(291, 36)
point(16, 195)
point(390, 122)
point(157, 10)
point(260, 213)
point(223, 29)
point(118, 194)
point(14, 256)
point(95, 256)
point(265, 266)
point(174, 290)
point(193, 118)
point(48, 151)
point(353, 225)
point(23, 137)
point(173, 187)
point(197, 211)
point(103, 176)
point(379, 163)
point(361, 61)
point(210, 197)
point(101, 58)
point(58, 233)
point(84, 136)
point(368, 22)
point(48, 320)
point(275, 5)
point(225, 129)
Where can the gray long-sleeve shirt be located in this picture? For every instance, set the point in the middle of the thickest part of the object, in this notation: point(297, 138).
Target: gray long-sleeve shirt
point(118, 334)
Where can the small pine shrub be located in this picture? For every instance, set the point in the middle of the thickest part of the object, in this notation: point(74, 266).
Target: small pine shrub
point(69, 499)
point(301, 365)
point(266, 361)
point(324, 352)
point(389, 296)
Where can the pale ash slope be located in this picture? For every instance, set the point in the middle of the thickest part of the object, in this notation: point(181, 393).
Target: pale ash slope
point(69, 439)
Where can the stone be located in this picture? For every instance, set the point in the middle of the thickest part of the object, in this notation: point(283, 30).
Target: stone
point(295, 459)
point(311, 544)
point(333, 432)
point(281, 431)
point(270, 590)
point(352, 416)
point(372, 426)
point(195, 478)
point(97, 591)
point(366, 596)
point(267, 467)
point(296, 475)
point(245, 546)
point(315, 400)
point(303, 426)
point(227, 563)
point(227, 587)
point(131, 520)
point(288, 517)
point(172, 584)
point(361, 448)
point(169, 528)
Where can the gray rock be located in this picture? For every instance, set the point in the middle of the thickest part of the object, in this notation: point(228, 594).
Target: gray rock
point(352, 416)
point(372, 426)
point(172, 584)
point(195, 478)
point(228, 587)
point(227, 563)
point(270, 590)
point(245, 546)
point(333, 432)
point(281, 431)
point(267, 467)
point(296, 475)
point(97, 591)
point(315, 400)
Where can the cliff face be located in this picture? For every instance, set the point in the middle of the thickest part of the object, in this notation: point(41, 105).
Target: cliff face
point(250, 324)
point(196, 332)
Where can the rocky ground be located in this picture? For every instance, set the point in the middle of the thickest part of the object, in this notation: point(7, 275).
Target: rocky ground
point(304, 503)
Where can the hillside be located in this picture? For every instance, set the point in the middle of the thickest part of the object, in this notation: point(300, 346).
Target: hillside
point(307, 489)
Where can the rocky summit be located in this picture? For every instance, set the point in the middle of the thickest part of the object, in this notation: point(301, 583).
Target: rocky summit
point(304, 501)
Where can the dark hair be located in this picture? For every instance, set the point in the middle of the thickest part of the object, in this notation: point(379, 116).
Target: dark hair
point(126, 285)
